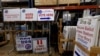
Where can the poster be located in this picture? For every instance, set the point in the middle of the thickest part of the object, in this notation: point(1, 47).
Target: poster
point(39, 45)
point(28, 14)
point(23, 43)
point(45, 15)
point(11, 14)
point(86, 32)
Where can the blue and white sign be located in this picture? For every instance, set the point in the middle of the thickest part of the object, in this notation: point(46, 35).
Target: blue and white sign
point(23, 43)
point(79, 52)
point(45, 15)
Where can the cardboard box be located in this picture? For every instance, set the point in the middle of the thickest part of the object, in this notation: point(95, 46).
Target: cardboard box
point(69, 1)
point(45, 15)
point(28, 14)
point(11, 14)
point(45, 2)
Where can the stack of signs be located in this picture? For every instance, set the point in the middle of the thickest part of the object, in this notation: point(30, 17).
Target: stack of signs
point(28, 14)
point(45, 15)
point(69, 32)
point(11, 14)
point(87, 32)
point(39, 45)
point(23, 43)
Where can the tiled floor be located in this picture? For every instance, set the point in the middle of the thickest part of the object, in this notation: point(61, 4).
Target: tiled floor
point(7, 51)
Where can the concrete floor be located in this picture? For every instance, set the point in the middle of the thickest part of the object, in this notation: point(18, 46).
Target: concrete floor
point(7, 50)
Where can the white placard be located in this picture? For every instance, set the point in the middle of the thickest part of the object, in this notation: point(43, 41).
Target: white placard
point(45, 15)
point(39, 45)
point(86, 32)
point(23, 43)
point(79, 52)
point(11, 14)
point(88, 0)
point(28, 14)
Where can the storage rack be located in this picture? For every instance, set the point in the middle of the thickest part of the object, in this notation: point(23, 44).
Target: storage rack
point(67, 8)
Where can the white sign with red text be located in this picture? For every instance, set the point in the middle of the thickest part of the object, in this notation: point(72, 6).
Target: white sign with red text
point(28, 14)
point(86, 32)
point(45, 15)
point(39, 45)
point(11, 15)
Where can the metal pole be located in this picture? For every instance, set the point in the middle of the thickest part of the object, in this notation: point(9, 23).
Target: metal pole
point(30, 3)
point(49, 40)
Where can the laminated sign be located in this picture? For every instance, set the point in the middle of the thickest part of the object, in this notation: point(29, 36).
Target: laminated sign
point(87, 32)
point(39, 45)
point(28, 14)
point(45, 15)
point(79, 52)
point(23, 43)
point(11, 14)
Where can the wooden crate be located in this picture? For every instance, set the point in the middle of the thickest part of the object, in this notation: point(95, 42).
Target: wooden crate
point(68, 2)
point(45, 2)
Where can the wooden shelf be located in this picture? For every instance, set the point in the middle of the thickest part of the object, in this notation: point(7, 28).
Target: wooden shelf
point(22, 31)
point(67, 40)
point(71, 7)
point(3, 42)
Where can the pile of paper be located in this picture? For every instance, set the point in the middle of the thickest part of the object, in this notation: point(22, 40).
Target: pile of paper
point(69, 33)
point(87, 34)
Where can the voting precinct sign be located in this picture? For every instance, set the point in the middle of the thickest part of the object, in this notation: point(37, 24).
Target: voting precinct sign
point(39, 45)
point(11, 14)
point(87, 32)
point(28, 14)
point(45, 14)
point(23, 43)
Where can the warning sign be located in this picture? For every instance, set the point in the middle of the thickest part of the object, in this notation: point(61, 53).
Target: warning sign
point(39, 45)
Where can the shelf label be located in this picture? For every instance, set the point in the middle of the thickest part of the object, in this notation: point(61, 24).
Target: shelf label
point(39, 45)
point(11, 14)
point(29, 14)
point(45, 15)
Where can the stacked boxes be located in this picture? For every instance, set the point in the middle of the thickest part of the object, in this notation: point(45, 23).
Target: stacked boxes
point(45, 2)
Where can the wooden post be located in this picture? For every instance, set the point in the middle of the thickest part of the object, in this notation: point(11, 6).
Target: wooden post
point(60, 36)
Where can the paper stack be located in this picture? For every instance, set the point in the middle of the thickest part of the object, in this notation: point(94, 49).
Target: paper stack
point(69, 33)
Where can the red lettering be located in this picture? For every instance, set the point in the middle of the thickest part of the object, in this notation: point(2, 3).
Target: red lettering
point(87, 34)
point(29, 15)
point(41, 14)
point(89, 28)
